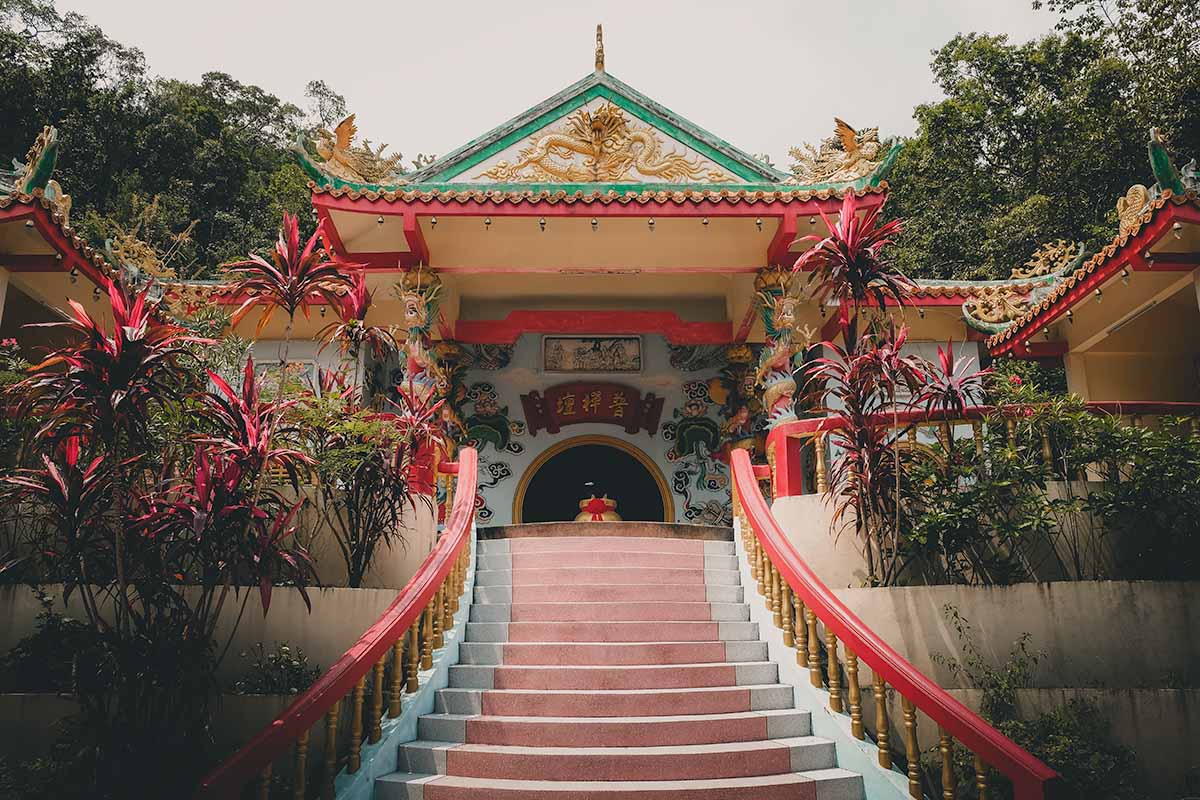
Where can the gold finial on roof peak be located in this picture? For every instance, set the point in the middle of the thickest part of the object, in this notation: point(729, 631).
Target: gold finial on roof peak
point(599, 48)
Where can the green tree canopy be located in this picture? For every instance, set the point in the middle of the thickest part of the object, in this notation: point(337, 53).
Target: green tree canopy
point(214, 152)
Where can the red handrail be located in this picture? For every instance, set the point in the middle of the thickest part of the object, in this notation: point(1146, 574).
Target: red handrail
point(1032, 780)
point(273, 741)
point(787, 480)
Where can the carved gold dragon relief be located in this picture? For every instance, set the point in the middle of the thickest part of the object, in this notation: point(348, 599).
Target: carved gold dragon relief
point(1049, 259)
point(612, 149)
point(997, 305)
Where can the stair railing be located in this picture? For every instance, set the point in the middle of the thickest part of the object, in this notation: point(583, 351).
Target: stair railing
point(814, 621)
point(787, 442)
point(402, 639)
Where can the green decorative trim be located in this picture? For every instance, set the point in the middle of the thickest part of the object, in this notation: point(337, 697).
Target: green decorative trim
point(599, 85)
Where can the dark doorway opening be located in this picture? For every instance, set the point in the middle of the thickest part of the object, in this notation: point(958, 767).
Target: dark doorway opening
point(554, 491)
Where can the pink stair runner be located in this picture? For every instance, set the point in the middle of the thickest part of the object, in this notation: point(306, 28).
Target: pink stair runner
point(604, 668)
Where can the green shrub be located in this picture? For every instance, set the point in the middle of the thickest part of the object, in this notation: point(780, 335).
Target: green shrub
point(283, 670)
point(44, 661)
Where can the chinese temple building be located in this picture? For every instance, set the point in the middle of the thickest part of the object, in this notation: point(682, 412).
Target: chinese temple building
point(604, 291)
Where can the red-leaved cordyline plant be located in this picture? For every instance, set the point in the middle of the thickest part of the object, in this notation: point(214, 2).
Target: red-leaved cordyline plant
point(864, 383)
point(292, 280)
point(351, 331)
point(849, 267)
point(150, 534)
point(950, 386)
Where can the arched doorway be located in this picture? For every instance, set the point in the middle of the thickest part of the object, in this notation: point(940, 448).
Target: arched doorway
point(567, 472)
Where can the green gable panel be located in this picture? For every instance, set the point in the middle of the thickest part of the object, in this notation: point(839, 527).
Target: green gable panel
point(453, 166)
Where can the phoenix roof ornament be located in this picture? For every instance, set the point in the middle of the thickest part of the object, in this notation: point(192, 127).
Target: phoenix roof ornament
point(846, 156)
point(356, 163)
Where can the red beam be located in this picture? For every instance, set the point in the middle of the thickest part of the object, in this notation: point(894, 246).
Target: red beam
point(665, 323)
point(416, 239)
point(785, 234)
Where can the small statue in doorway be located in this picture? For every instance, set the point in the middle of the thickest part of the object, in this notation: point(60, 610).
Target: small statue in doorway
point(598, 509)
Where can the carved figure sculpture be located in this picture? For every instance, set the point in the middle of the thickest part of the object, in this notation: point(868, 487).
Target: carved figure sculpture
point(776, 365)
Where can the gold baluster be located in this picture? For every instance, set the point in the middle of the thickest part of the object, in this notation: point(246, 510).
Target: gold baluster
point(329, 773)
point(835, 677)
point(801, 633)
point(822, 471)
point(439, 600)
point(882, 734)
point(1011, 425)
point(785, 612)
point(763, 577)
point(427, 637)
point(1047, 451)
point(776, 600)
point(981, 779)
point(912, 753)
point(300, 780)
point(377, 703)
point(447, 606)
point(356, 727)
point(414, 655)
point(912, 437)
point(977, 435)
point(946, 748)
point(398, 670)
point(814, 649)
point(458, 589)
point(264, 783)
point(853, 693)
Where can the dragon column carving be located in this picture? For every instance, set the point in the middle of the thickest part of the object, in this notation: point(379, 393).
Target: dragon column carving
point(776, 365)
point(419, 292)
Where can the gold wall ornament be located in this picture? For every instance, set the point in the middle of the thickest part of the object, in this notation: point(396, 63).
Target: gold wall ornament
point(601, 146)
point(599, 48)
point(1049, 259)
point(846, 156)
point(1131, 207)
point(357, 163)
point(996, 305)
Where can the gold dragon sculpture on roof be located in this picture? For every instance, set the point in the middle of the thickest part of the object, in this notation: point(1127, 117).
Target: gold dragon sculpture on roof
point(613, 149)
point(846, 156)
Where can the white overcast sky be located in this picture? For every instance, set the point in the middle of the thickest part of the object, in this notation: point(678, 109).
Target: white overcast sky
point(429, 76)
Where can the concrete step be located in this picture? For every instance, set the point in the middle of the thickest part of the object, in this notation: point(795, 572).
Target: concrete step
point(638, 611)
point(610, 631)
point(646, 544)
point(827, 784)
point(601, 592)
point(624, 703)
point(558, 559)
point(658, 676)
point(693, 762)
point(594, 575)
point(660, 731)
point(574, 654)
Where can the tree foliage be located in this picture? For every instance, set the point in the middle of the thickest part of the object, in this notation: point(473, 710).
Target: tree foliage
point(1036, 141)
point(213, 152)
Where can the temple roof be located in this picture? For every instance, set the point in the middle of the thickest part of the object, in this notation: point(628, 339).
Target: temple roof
point(597, 137)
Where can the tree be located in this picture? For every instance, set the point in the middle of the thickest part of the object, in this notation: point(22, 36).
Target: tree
point(1033, 142)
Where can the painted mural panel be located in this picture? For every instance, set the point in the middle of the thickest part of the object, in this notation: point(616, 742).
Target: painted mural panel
point(705, 408)
point(592, 354)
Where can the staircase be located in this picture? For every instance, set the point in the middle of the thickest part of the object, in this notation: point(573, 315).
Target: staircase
point(599, 667)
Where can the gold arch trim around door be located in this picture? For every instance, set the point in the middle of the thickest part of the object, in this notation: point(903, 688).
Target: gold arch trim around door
point(550, 452)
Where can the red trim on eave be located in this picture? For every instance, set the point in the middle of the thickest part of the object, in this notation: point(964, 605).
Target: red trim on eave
point(1130, 254)
point(52, 233)
point(665, 323)
point(335, 238)
point(542, 207)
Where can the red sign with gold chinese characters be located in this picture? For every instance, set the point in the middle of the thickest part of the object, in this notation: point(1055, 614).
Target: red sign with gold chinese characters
point(590, 401)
